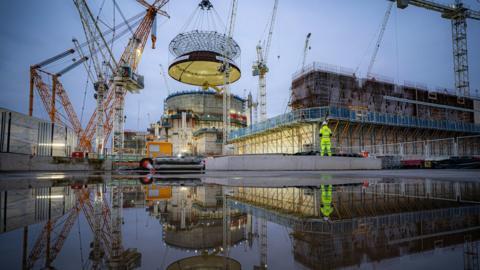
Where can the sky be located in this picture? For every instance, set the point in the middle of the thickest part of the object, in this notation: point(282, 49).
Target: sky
point(417, 47)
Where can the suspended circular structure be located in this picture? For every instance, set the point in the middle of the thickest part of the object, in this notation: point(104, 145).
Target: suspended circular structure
point(200, 58)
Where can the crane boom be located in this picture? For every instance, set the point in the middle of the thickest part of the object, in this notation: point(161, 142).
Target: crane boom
point(131, 55)
point(380, 38)
point(165, 79)
point(305, 50)
point(270, 31)
point(458, 14)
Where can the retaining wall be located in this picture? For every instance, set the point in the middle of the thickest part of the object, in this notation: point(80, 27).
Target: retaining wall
point(290, 163)
point(22, 162)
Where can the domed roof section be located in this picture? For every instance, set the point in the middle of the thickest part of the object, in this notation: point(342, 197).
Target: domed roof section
point(202, 40)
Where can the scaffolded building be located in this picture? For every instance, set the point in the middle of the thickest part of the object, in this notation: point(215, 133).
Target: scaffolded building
point(193, 121)
point(365, 114)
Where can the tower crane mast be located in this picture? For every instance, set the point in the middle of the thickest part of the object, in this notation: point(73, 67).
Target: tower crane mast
point(226, 74)
point(125, 80)
point(93, 34)
point(458, 14)
point(260, 67)
point(114, 101)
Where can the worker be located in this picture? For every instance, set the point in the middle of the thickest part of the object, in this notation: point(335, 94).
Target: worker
point(326, 207)
point(325, 135)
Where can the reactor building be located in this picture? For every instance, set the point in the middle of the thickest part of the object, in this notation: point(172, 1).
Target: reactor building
point(192, 121)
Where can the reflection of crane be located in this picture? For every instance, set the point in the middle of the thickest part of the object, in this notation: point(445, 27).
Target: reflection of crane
point(458, 15)
point(379, 40)
point(260, 67)
point(263, 244)
point(105, 226)
point(43, 245)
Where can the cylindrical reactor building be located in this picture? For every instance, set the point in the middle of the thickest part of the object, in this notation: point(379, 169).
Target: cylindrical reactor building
point(193, 121)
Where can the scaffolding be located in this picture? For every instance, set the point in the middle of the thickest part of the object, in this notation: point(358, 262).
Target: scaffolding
point(297, 131)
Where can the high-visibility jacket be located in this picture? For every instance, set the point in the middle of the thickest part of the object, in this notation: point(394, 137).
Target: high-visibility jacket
point(326, 206)
point(325, 132)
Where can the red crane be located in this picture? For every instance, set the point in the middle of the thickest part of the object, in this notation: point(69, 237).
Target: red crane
point(131, 56)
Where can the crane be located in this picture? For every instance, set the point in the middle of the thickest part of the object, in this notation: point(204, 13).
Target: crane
point(165, 79)
point(92, 31)
point(226, 73)
point(260, 67)
point(305, 50)
point(125, 79)
point(380, 38)
point(458, 14)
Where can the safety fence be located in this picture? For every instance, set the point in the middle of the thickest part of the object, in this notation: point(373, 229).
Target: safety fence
point(426, 149)
point(320, 113)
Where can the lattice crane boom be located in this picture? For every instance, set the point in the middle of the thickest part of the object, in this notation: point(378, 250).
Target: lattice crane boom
point(458, 14)
point(260, 67)
point(386, 17)
point(130, 56)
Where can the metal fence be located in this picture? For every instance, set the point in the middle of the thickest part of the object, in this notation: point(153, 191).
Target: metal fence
point(438, 148)
point(317, 114)
point(427, 149)
point(22, 134)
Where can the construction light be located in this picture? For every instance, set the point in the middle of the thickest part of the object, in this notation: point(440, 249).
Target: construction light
point(50, 197)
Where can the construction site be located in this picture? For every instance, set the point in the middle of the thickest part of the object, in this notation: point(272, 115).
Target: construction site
point(355, 170)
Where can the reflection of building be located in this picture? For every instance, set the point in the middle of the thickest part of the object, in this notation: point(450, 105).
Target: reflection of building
point(133, 196)
point(370, 222)
point(193, 218)
point(193, 121)
point(35, 204)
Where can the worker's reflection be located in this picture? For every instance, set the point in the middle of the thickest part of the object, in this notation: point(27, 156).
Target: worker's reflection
point(326, 207)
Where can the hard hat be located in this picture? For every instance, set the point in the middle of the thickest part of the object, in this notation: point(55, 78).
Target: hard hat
point(324, 123)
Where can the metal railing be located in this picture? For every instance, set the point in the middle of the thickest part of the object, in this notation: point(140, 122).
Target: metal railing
point(438, 148)
point(319, 113)
point(426, 149)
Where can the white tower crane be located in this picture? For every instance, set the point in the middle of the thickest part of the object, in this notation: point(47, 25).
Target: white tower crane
point(260, 67)
point(96, 43)
point(226, 74)
point(165, 79)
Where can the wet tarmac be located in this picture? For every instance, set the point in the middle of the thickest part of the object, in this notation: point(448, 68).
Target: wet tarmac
point(283, 220)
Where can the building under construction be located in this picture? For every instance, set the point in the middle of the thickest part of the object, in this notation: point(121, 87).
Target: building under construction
point(363, 113)
point(193, 121)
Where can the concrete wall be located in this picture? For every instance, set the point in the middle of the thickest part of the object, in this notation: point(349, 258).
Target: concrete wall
point(21, 162)
point(290, 163)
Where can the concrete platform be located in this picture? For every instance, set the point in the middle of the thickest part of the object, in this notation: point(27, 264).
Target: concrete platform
point(289, 163)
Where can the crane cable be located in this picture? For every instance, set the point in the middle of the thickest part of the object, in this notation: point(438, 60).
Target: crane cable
point(85, 91)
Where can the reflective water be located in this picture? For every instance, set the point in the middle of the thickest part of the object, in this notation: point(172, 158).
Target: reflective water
point(128, 222)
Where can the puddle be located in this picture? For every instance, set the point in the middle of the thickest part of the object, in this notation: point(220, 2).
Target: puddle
point(134, 222)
